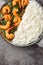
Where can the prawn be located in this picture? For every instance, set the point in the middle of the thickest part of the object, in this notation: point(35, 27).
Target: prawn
point(14, 2)
point(24, 3)
point(7, 17)
point(17, 21)
point(9, 36)
point(5, 26)
point(15, 12)
point(5, 9)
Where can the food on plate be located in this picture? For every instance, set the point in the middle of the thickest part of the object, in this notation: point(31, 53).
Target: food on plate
point(22, 21)
point(17, 19)
point(10, 17)
point(31, 25)
point(24, 3)
point(4, 27)
point(15, 11)
point(14, 2)
point(5, 9)
point(7, 17)
point(9, 36)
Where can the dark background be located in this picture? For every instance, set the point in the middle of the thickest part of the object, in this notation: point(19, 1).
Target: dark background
point(11, 55)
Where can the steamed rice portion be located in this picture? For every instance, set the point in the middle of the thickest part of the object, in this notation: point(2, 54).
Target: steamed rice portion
point(31, 25)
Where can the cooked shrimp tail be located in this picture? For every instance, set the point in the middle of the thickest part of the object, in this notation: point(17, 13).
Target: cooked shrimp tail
point(14, 2)
point(7, 17)
point(4, 27)
point(9, 36)
point(15, 12)
point(5, 9)
point(17, 21)
point(24, 3)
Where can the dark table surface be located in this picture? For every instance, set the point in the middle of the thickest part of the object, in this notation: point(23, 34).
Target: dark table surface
point(11, 55)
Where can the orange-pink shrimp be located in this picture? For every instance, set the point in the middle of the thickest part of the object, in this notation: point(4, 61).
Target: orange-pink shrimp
point(14, 2)
point(4, 27)
point(5, 9)
point(7, 17)
point(15, 12)
point(9, 36)
point(17, 21)
point(24, 3)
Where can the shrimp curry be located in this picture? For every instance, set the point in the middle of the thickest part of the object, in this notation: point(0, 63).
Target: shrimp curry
point(11, 15)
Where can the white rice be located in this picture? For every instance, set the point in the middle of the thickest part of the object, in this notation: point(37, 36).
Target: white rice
point(31, 25)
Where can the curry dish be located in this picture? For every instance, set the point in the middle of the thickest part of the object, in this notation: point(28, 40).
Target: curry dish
point(11, 16)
